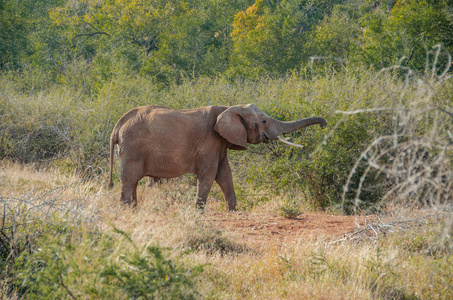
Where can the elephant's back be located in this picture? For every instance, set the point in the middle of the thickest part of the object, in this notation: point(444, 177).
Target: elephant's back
point(136, 115)
point(157, 122)
point(140, 111)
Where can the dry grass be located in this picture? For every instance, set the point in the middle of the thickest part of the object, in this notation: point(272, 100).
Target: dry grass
point(395, 265)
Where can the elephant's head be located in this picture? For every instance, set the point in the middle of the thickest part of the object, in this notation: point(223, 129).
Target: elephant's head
point(242, 124)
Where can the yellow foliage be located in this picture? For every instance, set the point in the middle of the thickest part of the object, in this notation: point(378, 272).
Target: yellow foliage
point(246, 22)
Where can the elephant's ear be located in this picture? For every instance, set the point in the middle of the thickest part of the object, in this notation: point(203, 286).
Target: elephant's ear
point(231, 126)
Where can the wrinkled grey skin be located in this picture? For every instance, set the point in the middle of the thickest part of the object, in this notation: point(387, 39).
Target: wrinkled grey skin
point(162, 142)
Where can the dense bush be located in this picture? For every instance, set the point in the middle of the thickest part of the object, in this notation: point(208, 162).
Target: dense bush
point(54, 270)
point(60, 122)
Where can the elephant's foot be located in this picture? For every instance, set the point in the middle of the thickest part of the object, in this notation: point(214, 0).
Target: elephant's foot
point(231, 204)
point(128, 202)
point(125, 202)
point(200, 207)
point(129, 194)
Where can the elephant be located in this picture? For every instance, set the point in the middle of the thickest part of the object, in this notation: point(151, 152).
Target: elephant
point(162, 142)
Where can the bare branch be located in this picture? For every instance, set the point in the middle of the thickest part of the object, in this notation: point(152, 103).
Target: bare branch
point(447, 112)
point(91, 34)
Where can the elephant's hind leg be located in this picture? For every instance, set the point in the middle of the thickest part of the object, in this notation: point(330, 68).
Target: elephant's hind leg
point(134, 195)
point(126, 193)
point(131, 173)
point(129, 194)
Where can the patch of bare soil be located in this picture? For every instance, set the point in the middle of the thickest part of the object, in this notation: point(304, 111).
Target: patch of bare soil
point(258, 229)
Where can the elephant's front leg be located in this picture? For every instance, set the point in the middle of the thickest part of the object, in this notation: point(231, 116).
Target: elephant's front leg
point(205, 179)
point(224, 179)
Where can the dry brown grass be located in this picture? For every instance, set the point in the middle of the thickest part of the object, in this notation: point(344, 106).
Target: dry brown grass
point(396, 265)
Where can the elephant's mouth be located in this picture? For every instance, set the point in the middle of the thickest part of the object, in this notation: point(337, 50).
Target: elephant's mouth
point(265, 138)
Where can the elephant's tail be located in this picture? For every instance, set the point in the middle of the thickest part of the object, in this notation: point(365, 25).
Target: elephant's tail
point(113, 142)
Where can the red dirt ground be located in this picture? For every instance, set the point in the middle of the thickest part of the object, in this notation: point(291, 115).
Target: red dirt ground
point(258, 229)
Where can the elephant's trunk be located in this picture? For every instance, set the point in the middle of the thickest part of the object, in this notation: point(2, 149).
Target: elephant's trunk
point(287, 127)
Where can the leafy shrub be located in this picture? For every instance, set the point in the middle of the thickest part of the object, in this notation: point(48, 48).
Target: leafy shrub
point(24, 221)
point(46, 251)
point(28, 220)
point(212, 241)
point(89, 265)
point(289, 212)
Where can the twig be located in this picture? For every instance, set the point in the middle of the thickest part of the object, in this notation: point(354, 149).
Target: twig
point(65, 287)
point(381, 227)
point(447, 112)
point(377, 235)
point(4, 213)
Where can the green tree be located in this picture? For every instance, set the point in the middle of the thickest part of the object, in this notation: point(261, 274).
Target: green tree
point(334, 38)
point(407, 30)
point(269, 37)
point(104, 38)
point(162, 39)
point(19, 22)
point(13, 32)
point(195, 41)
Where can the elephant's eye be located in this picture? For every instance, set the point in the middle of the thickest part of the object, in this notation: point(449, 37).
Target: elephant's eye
point(264, 121)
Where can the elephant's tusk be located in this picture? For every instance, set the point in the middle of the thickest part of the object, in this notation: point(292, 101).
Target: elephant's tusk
point(289, 143)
